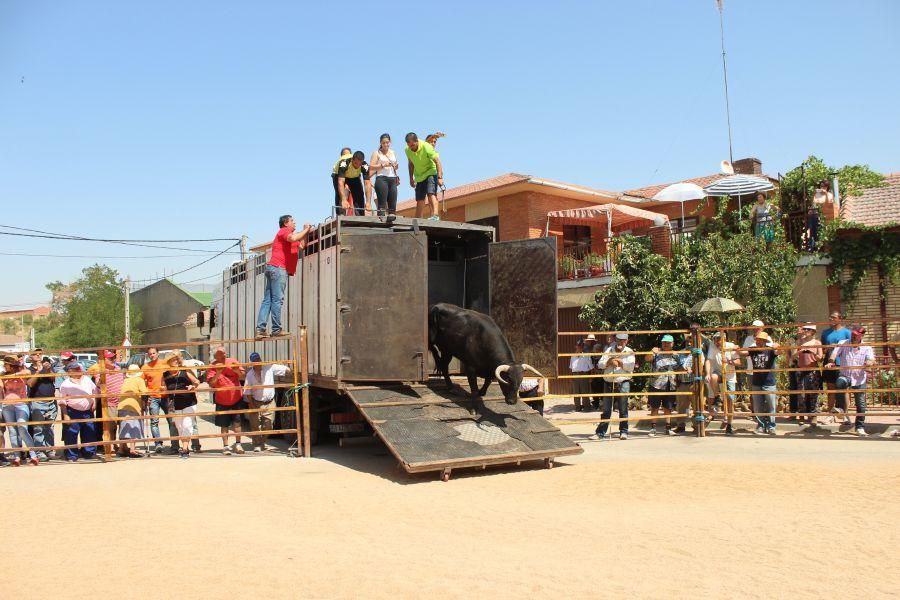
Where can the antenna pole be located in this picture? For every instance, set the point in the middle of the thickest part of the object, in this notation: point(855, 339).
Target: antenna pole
point(720, 4)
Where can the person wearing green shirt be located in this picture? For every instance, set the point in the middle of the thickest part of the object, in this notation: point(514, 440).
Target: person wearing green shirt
point(426, 174)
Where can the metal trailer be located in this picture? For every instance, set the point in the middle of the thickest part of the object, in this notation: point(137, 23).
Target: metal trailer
point(363, 288)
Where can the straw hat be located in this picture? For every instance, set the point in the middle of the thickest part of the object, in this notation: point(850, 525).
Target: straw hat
point(762, 335)
point(11, 360)
point(133, 371)
point(175, 354)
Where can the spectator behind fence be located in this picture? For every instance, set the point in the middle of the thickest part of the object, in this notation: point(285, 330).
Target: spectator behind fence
point(65, 359)
point(131, 404)
point(73, 407)
point(286, 248)
point(685, 383)
point(114, 379)
point(835, 334)
point(154, 370)
point(261, 397)
point(42, 392)
point(16, 411)
point(808, 356)
point(762, 383)
point(581, 386)
point(721, 359)
point(619, 364)
point(533, 387)
point(225, 379)
point(852, 376)
point(181, 399)
point(665, 362)
point(749, 342)
point(597, 384)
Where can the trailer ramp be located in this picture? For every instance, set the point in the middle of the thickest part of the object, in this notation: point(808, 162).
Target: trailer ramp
point(429, 428)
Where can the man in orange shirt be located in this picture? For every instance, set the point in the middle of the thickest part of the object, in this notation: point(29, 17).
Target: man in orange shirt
point(153, 370)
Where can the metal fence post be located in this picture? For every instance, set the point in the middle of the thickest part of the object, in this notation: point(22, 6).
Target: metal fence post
point(699, 416)
point(304, 393)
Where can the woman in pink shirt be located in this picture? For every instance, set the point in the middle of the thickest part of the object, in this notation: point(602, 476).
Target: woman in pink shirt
point(16, 409)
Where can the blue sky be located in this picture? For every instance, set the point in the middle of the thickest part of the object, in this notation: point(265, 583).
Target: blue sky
point(174, 120)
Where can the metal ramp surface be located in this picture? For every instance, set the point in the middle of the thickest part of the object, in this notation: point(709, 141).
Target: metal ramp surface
point(430, 428)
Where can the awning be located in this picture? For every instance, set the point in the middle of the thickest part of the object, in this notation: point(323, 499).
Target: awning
point(616, 217)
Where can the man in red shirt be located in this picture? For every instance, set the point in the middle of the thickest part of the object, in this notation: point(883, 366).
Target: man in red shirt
point(224, 376)
point(285, 251)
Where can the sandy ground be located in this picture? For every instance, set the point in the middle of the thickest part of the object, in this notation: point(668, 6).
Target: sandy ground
point(665, 517)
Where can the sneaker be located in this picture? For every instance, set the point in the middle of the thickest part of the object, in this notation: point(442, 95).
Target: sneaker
point(670, 431)
point(261, 334)
point(759, 430)
point(43, 457)
point(16, 462)
point(257, 449)
point(184, 455)
point(280, 334)
point(196, 449)
point(434, 218)
point(652, 432)
point(133, 454)
point(680, 429)
point(34, 461)
point(770, 431)
point(73, 459)
point(238, 449)
point(729, 430)
point(601, 436)
point(226, 451)
point(623, 436)
point(861, 432)
point(173, 451)
point(157, 448)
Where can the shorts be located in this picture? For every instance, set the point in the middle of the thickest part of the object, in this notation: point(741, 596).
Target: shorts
point(427, 186)
point(667, 402)
point(232, 419)
point(830, 376)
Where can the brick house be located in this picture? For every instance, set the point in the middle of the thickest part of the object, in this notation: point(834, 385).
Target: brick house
point(876, 298)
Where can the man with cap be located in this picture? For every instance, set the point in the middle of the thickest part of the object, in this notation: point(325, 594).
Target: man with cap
point(74, 406)
point(114, 379)
point(719, 366)
point(749, 342)
point(807, 355)
point(154, 370)
point(762, 381)
point(833, 335)
point(662, 386)
point(259, 392)
point(42, 392)
point(618, 365)
point(65, 359)
point(853, 358)
point(581, 365)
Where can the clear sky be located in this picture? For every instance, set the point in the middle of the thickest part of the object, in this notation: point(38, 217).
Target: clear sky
point(207, 119)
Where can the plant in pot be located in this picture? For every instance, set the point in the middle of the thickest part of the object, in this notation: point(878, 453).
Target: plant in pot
point(567, 267)
point(594, 263)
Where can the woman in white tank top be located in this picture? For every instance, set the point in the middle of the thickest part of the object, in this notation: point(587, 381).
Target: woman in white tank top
point(384, 166)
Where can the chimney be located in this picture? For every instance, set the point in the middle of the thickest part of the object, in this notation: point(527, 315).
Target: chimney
point(748, 166)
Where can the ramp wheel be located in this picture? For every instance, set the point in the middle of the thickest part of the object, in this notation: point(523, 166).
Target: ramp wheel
point(445, 475)
point(548, 463)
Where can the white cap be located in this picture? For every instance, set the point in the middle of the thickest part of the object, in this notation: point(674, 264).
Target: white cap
point(758, 323)
point(591, 337)
point(621, 336)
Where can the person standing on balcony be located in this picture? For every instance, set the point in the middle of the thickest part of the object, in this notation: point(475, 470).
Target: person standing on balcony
point(581, 385)
point(282, 264)
point(426, 174)
point(813, 215)
point(852, 374)
point(763, 215)
point(619, 363)
point(835, 334)
point(384, 165)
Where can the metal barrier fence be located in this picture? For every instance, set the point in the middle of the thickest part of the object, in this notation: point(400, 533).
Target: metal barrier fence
point(298, 422)
point(692, 391)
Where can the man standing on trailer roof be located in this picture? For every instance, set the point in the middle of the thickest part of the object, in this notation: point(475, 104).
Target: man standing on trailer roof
point(426, 174)
point(286, 249)
point(353, 174)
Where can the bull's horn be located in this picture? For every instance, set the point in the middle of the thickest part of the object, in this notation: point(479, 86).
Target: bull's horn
point(528, 367)
point(500, 370)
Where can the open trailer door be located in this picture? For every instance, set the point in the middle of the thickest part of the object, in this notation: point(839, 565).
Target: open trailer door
point(523, 299)
point(382, 305)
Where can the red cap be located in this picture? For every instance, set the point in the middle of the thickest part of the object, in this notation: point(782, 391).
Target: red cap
point(109, 354)
point(66, 355)
point(859, 331)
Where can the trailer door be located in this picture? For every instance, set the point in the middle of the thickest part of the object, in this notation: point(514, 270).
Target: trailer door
point(523, 299)
point(382, 305)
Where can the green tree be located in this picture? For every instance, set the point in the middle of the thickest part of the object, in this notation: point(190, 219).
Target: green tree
point(9, 326)
point(801, 182)
point(95, 313)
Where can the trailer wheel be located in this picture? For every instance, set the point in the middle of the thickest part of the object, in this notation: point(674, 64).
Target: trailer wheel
point(445, 475)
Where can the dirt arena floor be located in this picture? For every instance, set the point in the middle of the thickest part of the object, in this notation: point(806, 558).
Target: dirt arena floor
point(664, 518)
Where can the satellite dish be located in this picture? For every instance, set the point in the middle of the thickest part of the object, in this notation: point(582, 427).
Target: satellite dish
point(726, 168)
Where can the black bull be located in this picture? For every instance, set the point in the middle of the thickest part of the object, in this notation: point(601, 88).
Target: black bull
point(476, 340)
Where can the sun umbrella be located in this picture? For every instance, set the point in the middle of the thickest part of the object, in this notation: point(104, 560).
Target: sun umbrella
point(717, 304)
point(738, 185)
point(681, 193)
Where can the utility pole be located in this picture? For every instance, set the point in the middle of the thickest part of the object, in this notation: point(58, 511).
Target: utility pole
point(243, 248)
point(127, 314)
point(720, 4)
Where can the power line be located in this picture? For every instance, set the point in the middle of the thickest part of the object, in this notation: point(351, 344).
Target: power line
point(104, 257)
point(203, 262)
point(78, 237)
point(56, 236)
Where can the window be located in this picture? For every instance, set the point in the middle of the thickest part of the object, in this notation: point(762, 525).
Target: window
point(576, 240)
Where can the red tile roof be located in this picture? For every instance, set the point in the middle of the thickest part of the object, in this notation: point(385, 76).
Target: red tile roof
point(875, 206)
point(651, 190)
point(502, 181)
